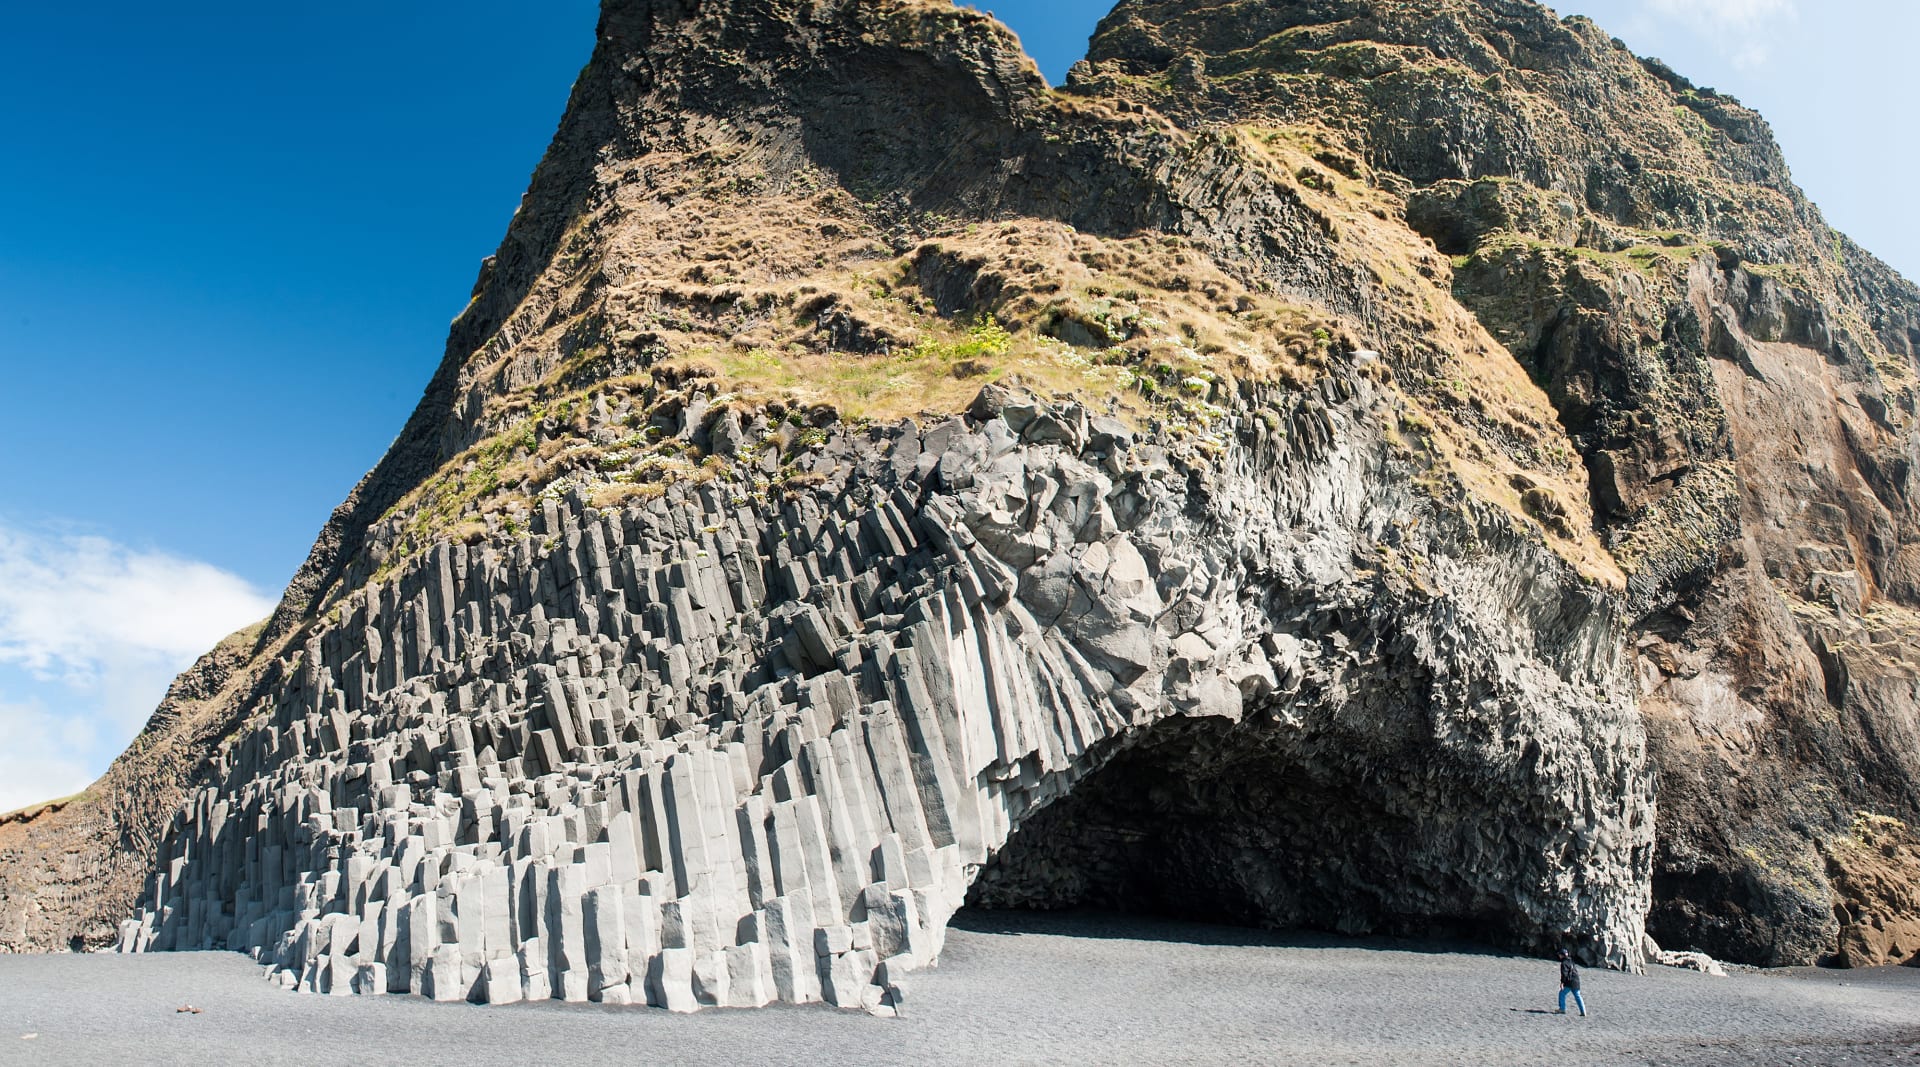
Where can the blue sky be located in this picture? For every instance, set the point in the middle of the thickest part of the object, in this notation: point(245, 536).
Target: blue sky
point(235, 234)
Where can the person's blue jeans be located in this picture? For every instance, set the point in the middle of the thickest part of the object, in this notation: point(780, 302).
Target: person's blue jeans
point(1576, 999)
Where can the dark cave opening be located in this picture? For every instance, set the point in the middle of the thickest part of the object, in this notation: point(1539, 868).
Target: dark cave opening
point(1256, 824)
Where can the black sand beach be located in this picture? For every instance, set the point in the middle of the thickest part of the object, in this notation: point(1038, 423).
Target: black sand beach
point(1011, 988)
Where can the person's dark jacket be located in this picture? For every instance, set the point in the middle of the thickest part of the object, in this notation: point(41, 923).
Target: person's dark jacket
point(1569, 974)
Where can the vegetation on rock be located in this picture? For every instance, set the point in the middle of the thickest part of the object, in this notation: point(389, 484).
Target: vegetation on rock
point(1593, 318)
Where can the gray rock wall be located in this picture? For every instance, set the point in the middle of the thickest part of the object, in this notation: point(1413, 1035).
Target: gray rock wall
point(718, 751)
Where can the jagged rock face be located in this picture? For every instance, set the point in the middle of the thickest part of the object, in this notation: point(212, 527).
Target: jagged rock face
point(1465, 89)
point(1362, 544)
point(1738, 378)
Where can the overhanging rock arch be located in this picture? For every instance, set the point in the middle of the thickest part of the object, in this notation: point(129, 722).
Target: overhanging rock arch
point(712, 752)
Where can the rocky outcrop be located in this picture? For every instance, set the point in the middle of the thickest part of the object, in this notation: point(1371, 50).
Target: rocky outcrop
point(1737, 378)
point(1872, 869)
point(1321, 468)
point(709, 753)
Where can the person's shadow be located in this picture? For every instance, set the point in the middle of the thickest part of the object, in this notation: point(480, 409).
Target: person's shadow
point(1536, 1011)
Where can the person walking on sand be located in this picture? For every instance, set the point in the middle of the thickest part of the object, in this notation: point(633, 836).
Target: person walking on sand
point(1570, 983)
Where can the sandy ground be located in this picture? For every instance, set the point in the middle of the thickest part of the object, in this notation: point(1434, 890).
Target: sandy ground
point(1011, 989)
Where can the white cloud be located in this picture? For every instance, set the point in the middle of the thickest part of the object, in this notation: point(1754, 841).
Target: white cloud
point(42, 756)
point(1744, 30)
point(91, 633)
point(72, 603)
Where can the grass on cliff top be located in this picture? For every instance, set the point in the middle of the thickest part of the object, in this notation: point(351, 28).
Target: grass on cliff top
point(1122, 324)
point(1652, 260)
point(498, 478)
point(1141, 328)
point(483, 479)
point(941, 373)
point(796, 293)
point(34, 811)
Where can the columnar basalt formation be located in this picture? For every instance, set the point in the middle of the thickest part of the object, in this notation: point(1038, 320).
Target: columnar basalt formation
point(711, 753)
point(1316, 469)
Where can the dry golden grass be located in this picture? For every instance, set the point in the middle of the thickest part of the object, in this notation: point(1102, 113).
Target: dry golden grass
point(782, 288)
point(45, 807)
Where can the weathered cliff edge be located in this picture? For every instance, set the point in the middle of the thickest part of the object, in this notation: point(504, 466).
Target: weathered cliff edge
point(1737, 377)
point(662, 660)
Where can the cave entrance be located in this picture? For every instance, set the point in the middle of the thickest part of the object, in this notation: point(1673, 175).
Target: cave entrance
point(1254, 823)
